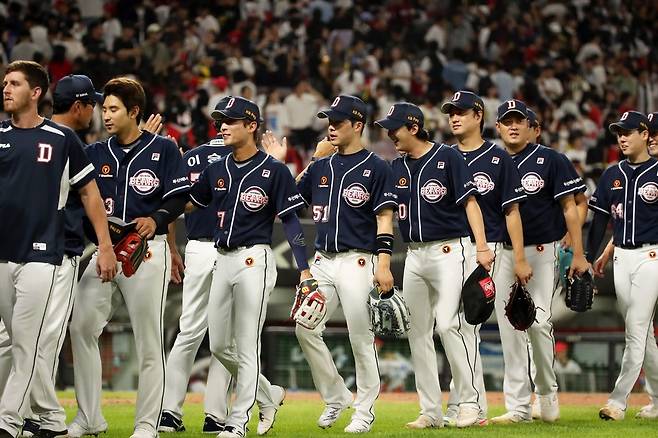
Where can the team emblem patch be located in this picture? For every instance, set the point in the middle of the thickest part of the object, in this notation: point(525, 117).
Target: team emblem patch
point(266, 173)
point(440, 165)
point(144, 182)
point(616, 185)
point(366, 173)
point(433, 191)
point(402, 182)
point(445, 249)
point(214, 157)
point(483, 182)
point(155, 156)
point(323, 181)
point(652, 254)
point(648, 192)
point(220, 183)
point(194, 177)
point(540, 160)
point(148, 255)
point(254, 198)
point(540, 248)
point(495, 160)
point(249, 261)
point(532, 182)
point(361, 262)
point(356, 195)
point(105, 169)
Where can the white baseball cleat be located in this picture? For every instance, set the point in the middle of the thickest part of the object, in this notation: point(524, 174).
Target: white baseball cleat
point(141, 433)
point(267, 415)
point(609, 412)
point(450, 418)
point(357, 426)
point(511, 418)
point(468, 416)
point(330, 415)
point(550, 408)
point(77, 431)
point(230, 432)
point(536, 409)
point(424, 422)
point(648, 412)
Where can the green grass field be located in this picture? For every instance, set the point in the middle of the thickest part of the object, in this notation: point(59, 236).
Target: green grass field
point(297, 417)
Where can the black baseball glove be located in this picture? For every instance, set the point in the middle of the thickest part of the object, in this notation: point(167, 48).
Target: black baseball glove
point(520, 310)
point(580, 292)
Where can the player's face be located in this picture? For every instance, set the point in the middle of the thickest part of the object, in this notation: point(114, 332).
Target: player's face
point(464, 122)
point(236, 132)
point(85, 114)
point(116, 117)
point(16, 92)
point(632, 142)
point(514, 130)
point(342, 132)
point(653, 144)
point(401, 138)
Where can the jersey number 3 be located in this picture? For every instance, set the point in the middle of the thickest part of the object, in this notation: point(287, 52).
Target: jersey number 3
point(320, 213)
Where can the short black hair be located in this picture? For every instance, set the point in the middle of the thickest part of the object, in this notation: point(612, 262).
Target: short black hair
point(422, 133)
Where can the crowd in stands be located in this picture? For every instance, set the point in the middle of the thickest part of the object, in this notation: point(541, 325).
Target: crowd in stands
point(577, 63)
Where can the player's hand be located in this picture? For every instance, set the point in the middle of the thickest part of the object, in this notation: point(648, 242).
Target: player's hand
point(177, 267)
point(272, 146)
point(565, 243)
point(578, 266)
point(602, 261)
point(324, 148)
point(485, 257)
point(384, 278)
point(145, 227)
point(305, 275)
point(523, 271)
point(106, 263)
point(153, 124)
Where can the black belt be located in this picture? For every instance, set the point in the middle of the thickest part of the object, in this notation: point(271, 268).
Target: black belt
point(204, 239)
point(637, 246)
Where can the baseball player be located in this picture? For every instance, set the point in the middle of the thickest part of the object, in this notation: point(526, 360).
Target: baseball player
point(631, 143)
point(143, 180)
point(548, 213)
point(352, 201)
point(246, 189)
point(499, 185)
point(37, 153)
point(437, 206)
point(200, 255)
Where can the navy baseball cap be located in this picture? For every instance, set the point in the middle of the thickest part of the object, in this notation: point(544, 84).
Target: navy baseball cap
point(513, 106)
point(629, 121)
point(532, 118)
point(653, 123)
point(236, 108)
point(463, 100)
point(345, 107)
point(400, 114)
point(76, 87)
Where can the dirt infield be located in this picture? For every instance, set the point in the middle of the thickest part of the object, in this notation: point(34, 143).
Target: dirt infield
point(494, 398)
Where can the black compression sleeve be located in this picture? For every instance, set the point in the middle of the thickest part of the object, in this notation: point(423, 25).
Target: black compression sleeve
point(169, 210)
point(596, 234)
point(295, 235)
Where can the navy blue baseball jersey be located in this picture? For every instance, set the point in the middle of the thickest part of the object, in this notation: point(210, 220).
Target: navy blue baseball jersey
point(246, 197)
point(546, 177)
point(346, 192)
point(431, 192)
point(38, 167)
point(74, 243)
point(135, 179)
point(630, 196)
point(202, 223)
point(498, 182)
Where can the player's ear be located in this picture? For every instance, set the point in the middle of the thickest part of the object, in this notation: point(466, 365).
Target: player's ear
point(645, 135)
point(413, 130)
point(134, 112)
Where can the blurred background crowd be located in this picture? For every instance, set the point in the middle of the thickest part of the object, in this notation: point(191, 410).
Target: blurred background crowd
point(578, 63)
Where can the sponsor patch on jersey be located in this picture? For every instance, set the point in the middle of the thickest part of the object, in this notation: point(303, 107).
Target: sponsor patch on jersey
point(532, 182)
point(249, 261)
point(445, 249)
point(148, 255)
point(323, 182)
point(214, 157)
point(540, 160)
point(356, 195)
point(266, 173)
point(440, 164)
point(155, 156)
point(652, 254)
point(5, 145)
point(495, 160)
point(144, 182)
point(540, 248)
point(39, 246)
point(616, 185)
point(194, 177)
point(254, 198)
point(220, 184)
point(433, 191)
point(648, 192)
point(105, 170)
point(366, 173)
point(361, 262)
point(483, 182)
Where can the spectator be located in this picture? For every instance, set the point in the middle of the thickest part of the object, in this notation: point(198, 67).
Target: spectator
point(564, 364)
point(301, 108)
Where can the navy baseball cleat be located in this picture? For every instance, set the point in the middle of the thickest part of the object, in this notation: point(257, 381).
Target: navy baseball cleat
point(169, 423)
point(210, 425)
point(45, 433)
point(30, 428)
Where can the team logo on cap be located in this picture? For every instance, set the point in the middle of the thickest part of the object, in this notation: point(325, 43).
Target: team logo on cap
point(144, 182)
point(483, 182)
point(456, 96)
point(433, 191)
point(390, 111)
point(254, 198)
point(649, 192)
point(356, 195)
point(532, 182)
point(230, 102)
point(624, 116)
point(335, 102)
